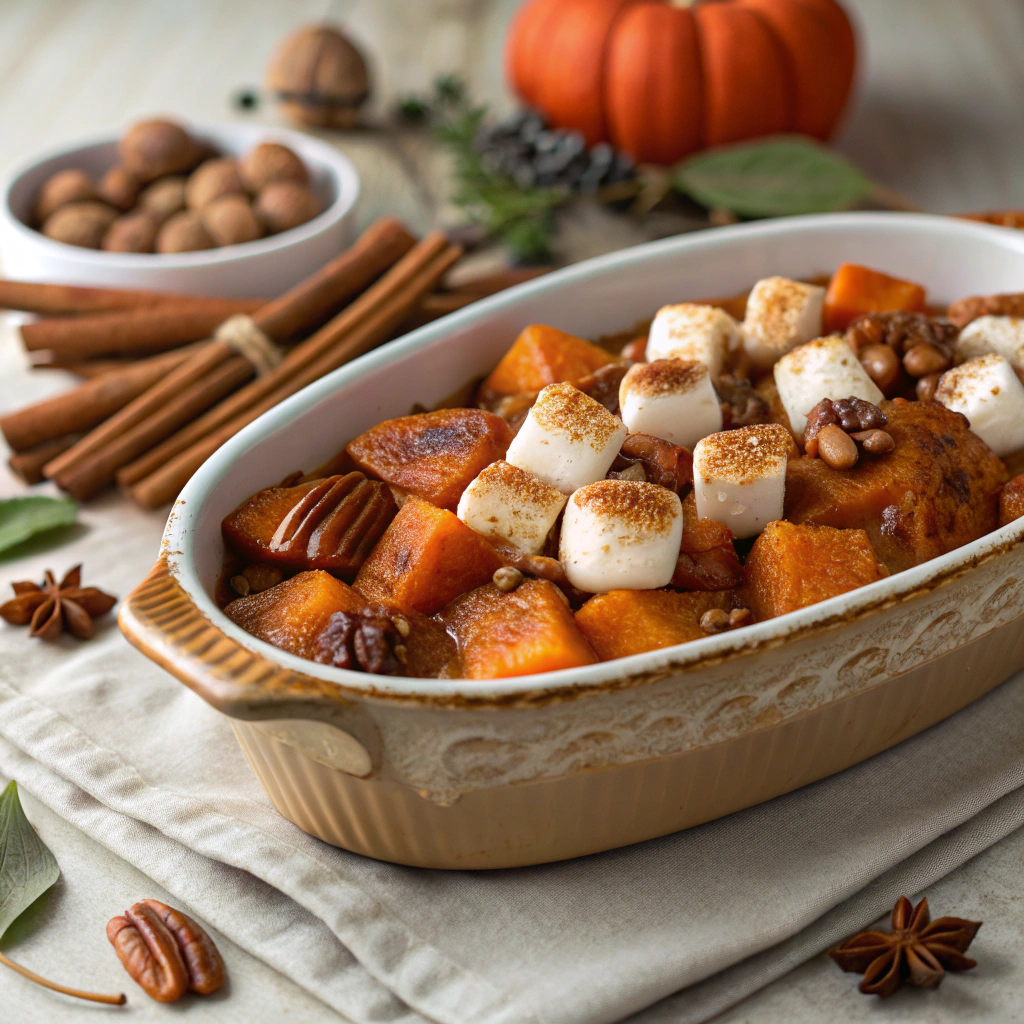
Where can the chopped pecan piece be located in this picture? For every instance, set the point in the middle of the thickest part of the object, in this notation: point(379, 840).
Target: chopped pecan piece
point(742, 404)
point(924, 343)
point(851, 415)
point(367, 642)
point(664, 463)
point(603, 385)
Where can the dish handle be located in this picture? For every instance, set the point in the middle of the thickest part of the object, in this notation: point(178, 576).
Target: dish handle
point(164, 623)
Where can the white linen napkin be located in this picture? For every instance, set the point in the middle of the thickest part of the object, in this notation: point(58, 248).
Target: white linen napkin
point(674, 929)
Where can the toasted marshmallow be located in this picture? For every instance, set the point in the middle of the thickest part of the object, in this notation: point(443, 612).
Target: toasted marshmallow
point(989, 394)
point(508, 502)
point(693, 331)
point(621, 535)
point(739, 477)
point(781, 314)
point(1003, 335)
point(672, 399)
point(567, 439)
point(825, 368)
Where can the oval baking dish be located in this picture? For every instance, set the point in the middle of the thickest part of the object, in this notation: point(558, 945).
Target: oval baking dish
point(464, 774)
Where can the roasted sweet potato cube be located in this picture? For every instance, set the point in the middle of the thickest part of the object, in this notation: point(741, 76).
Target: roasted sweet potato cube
point(434, 455)
point(427, 557)
point(624, 622)
point(793, 566)
point(1011, 500)
point(330, 524)
point(520, 633)
point(939, 488)
point(541, 356)
point(294, 613)
point(855, 290)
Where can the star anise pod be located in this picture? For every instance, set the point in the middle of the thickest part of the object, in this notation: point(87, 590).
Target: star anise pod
point(53, 607)
point(917, 951)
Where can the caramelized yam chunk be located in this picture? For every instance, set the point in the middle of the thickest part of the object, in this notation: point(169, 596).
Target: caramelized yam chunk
point(541, 356)
point(328, 524)
point(520, 633)
point(707, 556)
point(855, 291)
point(1011, 500)
point(936, 491)
point(793, 566)
point(293, 614)
point(432, 454)
point(427, 557)
point(625, 622)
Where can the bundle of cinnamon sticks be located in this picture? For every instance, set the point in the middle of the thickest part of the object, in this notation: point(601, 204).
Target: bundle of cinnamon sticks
point(170, 378)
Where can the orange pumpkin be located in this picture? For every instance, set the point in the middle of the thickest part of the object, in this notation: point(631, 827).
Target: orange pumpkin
point(660, 80)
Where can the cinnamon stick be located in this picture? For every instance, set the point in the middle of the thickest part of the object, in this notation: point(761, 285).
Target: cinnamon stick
point(397, 278)
point(29, 465)
point(86, 405)
point(63, 299)
point(90, 368)
point(164, 484)
point(216, 369)
point(132, 332)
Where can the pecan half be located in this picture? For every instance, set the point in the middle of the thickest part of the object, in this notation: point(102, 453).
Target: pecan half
point(202, 958)
point(603, 385)
point(924, 343)
point(149, 953)
point(851, 415)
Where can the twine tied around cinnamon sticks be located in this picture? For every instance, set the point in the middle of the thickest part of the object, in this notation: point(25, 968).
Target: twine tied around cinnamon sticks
point(243, 335)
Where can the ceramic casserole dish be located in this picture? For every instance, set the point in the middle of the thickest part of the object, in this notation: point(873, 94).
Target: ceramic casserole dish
point(470, 774)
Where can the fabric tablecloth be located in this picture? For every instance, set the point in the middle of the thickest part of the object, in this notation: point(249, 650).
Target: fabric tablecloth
point(673, 929)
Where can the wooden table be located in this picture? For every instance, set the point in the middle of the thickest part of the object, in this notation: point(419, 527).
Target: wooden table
point(937, 118)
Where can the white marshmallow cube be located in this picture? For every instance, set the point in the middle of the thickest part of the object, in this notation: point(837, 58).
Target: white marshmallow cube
point(825, 368)
point(568, 439)
point(693, 331)
point(1003, 335)
point(621, 535)
point(508, 502)
point(781, 314)
point(671, 399)
point(739, 477)
point(989, 394)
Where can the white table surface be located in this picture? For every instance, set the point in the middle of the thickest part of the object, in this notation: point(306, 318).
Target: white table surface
point(938, 118)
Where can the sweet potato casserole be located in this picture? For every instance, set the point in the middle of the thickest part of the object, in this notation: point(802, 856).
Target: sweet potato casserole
point(742, 459)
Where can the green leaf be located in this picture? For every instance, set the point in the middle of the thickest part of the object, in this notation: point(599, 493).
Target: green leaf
point(21, 518)
point(774, 177)
point(27, 868)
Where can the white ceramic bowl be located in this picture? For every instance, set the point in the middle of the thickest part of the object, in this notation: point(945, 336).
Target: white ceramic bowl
point(266, 267)
point(462, 773)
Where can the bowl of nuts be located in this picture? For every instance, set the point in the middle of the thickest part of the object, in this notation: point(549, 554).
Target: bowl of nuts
point(228, 210)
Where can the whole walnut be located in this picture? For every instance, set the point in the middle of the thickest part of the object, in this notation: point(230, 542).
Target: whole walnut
point(164, 198)
point(82, 224)
point(152, 149)
point(184, 232)
point(286, 204)
point(118, 188)
point(134, 231)
point(70, 186)
point(319, 77)
point(268, 162)
point(230, 220)
point(211, 180)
